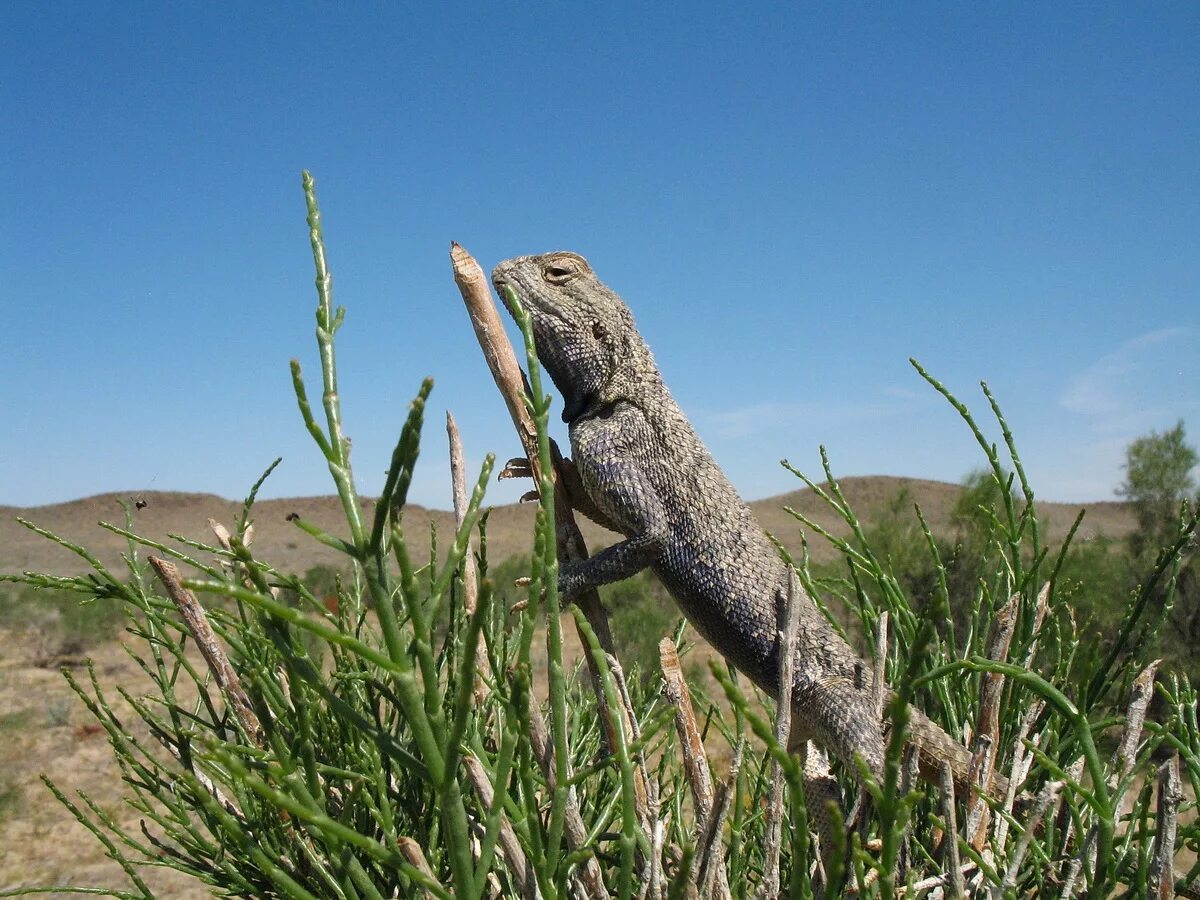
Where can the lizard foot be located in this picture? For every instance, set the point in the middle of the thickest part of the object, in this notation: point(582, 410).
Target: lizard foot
point(517, 467)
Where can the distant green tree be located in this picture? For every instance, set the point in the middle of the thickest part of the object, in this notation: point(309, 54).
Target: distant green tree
point(981, 500)
point(1158, 478)
point(1160, 484)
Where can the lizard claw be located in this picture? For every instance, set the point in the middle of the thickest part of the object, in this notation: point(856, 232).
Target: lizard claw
point(518, 467)
point(529, 496)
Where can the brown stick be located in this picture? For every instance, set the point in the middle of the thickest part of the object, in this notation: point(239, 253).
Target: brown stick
point(458, 484)
point(987, 734)
point(951, 860)
point(1039, 616)
point(412, 852)
point(1123, 762)
point(879, 666)
point(710, 851)
point(210, 648)
point(506, 371)
point(510, 845)
point(502, 361)
point(1048, 798)
point(1021, 763)
point(691, 746)
point(695, 761)
point(458, 481)
point(1170, 795)
point(646, 801)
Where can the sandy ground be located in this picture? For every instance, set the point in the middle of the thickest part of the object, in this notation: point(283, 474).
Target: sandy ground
point(44, 728)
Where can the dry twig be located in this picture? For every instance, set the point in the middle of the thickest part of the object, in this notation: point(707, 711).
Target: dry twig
point(879, 667)
point(709, 849)
point(1170, 795)
point(1048, 797)
point(458, 482)
point(987, 734)
point(691, 747)
point(953, 866)
point(210, 648)
point(1123, 762)
point(789, 628)
point(412, 852)
point(509, 843)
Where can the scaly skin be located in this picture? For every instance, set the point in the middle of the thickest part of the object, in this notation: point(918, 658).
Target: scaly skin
point(648, 476)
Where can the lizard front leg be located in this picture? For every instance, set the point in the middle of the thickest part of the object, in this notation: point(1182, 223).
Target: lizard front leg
point(608, 452)
point(638, 513)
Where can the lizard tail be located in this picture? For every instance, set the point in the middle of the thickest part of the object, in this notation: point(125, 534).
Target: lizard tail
point(934, 747)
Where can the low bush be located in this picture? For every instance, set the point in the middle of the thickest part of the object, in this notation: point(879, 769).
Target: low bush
point(54, 625)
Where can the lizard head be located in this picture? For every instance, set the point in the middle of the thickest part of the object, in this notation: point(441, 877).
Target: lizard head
point(584, 333)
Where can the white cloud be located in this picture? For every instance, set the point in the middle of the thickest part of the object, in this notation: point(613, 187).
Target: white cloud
point(1113, 389)
point(767, 415)
point(1147, 382)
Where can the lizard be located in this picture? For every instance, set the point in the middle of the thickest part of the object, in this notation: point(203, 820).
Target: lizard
point(639, 469)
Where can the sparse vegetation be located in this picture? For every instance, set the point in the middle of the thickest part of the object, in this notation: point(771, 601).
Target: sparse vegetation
point(10, 794)
point(55, 627)
point(415, 758)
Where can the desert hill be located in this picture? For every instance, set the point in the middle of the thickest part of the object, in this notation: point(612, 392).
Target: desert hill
point(509, 527)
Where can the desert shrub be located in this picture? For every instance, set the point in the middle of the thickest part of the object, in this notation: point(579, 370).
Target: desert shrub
point(641, 613)
point(57, 626)
point(10, 793)
point(417, 759)
point(324, 583)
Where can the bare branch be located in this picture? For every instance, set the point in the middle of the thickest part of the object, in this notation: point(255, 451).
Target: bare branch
point(710, 848)
point(458, 480)
point(412, 852)
point(1170, 795)
point(987, 733)
point(789, 628)
point(210, 648)
point(879, 670)
point(510, 846)
point(1048, 796)
point(953, 866)
point(695, 760)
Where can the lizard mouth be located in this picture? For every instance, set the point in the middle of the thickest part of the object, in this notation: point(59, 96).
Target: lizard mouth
point(530, 303)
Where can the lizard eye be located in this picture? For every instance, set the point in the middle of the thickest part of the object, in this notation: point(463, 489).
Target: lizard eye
point(558, 274)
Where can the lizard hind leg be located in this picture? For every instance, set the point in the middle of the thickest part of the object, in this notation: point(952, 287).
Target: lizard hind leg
point(841, 717)
point(822, 796)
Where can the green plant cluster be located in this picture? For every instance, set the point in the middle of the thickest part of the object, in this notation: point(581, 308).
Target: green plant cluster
point(416, 758)
point(1097, 579)
point(54, 626)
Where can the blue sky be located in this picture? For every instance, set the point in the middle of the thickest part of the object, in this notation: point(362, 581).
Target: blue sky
point(792, 200)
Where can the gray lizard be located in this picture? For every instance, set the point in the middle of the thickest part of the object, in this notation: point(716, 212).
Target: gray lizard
point(645, 474)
